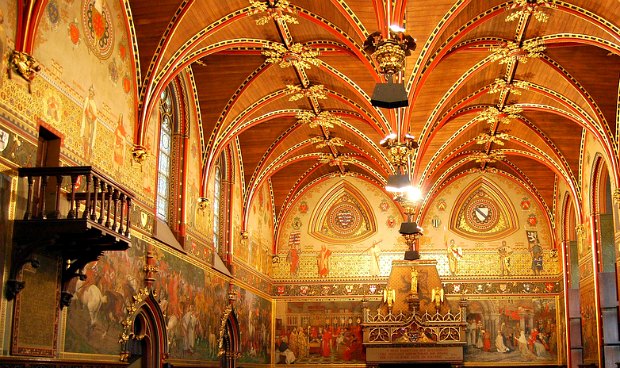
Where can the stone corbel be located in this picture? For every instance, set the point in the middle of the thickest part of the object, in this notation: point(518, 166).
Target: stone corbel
point(24, 65)
point(139, 153)
point(616, 196)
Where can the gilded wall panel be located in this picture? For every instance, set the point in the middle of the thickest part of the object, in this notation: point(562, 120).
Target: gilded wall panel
point(300, 254)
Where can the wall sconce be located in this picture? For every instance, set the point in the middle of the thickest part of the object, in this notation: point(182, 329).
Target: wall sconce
point(203, 203)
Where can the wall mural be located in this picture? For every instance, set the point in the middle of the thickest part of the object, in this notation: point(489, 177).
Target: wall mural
point(90, 104)
point(254, 314)
point(319, 332)
point(260, 231)
point(193, 301)
point(513, 330)
point(98, 306)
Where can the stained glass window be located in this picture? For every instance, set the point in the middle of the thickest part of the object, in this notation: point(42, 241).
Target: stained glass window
point(164, 159)
point(217, 194)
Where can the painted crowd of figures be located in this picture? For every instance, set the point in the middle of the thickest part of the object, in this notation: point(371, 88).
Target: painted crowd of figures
point(331, 343)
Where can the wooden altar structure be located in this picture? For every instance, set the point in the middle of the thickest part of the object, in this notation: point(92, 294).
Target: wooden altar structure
point(415, 323)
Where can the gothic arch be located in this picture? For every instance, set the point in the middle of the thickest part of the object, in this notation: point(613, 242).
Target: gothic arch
point(144, 333)
point(229, 339)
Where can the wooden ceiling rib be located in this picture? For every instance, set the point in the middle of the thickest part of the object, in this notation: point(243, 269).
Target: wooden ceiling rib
point(573, 84)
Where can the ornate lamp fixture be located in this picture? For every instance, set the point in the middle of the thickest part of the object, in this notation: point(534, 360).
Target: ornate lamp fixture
point(500, 85)
point(298, 92)
point(504, 115)
point(498, 138)
point(390, 54)
point(399, 153)
point(324, 119)
point(275, 10)
point(532, 7)
point(411, 232)
point(511, 51)
point(297, 54)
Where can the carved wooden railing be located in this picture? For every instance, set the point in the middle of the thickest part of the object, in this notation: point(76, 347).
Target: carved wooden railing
point(90, 215)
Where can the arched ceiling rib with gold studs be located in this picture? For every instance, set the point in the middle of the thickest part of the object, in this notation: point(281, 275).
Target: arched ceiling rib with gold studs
point(504, 86)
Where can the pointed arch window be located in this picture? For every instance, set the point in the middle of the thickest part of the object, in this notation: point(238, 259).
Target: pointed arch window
point(164, 170)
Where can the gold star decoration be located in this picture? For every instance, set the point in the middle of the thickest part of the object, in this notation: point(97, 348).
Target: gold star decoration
point(498, 138)
point(494, 115)
point(322, 142)
point(276, 10)
point(324, 119)
point(298, 92)
point(297, 55)
point(335, 161)
point(500, 85)
point(483, 157)
point(511, 51)
point(532, 7)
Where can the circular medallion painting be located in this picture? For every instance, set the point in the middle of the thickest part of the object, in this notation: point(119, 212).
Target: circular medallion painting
point(482, 214)
point(98, 29)
point(344, 219)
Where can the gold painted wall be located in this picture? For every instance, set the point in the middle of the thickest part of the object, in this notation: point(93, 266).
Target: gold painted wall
point(482, 256)
point(345, 258)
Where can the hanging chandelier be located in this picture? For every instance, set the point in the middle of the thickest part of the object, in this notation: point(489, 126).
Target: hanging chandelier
point(389, 53)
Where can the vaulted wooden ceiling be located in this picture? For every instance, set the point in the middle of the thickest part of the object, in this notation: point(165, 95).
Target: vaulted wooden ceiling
point(462, 66)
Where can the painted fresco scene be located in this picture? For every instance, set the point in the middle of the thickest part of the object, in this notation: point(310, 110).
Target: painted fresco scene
point(98, 305)
point(193, 302)
point(319, 333)
point(254, 315)
point(516, 330)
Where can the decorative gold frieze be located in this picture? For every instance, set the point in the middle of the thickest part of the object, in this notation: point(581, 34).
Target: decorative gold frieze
point(297, 55)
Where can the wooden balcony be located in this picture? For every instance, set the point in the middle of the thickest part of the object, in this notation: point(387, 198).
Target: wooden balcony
point(75, 213)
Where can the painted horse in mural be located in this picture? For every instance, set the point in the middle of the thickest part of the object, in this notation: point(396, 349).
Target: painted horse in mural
point(92, 299)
